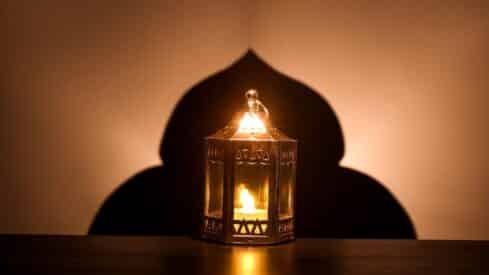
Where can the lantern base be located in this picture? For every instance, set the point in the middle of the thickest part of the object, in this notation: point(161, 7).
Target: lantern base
point(245, 232)
point(247, 241)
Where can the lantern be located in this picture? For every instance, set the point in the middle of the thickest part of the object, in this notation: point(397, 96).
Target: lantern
point(250, 180)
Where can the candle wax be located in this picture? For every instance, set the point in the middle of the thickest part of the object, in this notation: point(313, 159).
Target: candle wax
point(255, 214)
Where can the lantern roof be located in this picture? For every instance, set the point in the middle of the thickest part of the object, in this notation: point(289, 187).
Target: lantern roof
point(252, 124)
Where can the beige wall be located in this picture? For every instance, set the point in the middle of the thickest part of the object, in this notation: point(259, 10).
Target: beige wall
point(89, 91)
point(410, 85)
point(89, 87)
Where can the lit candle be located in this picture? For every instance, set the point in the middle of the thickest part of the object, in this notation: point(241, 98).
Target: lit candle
point(248, 211)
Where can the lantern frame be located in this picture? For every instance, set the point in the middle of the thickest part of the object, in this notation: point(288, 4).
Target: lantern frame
point(229, 150)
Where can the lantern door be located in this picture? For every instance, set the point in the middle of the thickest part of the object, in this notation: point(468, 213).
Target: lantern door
point(253, 178)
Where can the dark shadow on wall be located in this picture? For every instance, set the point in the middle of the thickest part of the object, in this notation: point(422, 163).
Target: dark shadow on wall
point(331, 201)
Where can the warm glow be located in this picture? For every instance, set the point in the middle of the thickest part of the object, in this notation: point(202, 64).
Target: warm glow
point(247, 201)
point(249, 261)
point(248, 210)
point(251, 124)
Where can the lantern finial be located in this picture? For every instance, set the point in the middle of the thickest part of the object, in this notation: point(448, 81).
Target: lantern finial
point(251, 123)
point(254, 104)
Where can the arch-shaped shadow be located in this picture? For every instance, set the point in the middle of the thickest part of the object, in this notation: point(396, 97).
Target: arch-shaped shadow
point(331, 201)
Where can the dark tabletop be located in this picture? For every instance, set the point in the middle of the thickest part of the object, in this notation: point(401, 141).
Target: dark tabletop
point(180, 255)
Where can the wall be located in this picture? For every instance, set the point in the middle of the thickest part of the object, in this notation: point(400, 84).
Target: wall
point(89, 87)
point(409, 82)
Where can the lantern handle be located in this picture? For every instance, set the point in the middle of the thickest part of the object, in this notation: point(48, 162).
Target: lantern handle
point(254, 104)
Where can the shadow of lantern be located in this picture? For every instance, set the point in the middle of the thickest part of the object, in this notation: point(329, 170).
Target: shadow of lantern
point(331, 201)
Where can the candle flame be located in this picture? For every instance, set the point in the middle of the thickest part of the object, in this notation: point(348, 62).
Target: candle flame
point(252, 124)
point(247, 201)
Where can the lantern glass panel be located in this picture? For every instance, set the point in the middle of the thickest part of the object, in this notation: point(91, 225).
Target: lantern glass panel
point(286, 189)
point(251, 191)
point(214, 188)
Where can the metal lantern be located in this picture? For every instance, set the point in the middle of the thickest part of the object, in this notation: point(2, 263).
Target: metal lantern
point(250, 180)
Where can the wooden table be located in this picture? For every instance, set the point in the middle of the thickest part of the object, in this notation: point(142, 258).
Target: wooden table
point(180, 255)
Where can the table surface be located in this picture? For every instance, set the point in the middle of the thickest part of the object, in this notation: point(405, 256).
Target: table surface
point(24, 254)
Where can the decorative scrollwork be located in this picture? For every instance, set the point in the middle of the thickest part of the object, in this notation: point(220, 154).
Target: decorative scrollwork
point(250, 227)
point(287, 158)
point(215, 153)
point(286, 226)
point(212, 225)
point(252, 156)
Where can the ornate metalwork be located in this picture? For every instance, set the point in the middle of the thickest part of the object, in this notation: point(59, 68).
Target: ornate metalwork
point(286, 226)
point(246, 228)
point(215, 153)
point(252, 156)
point(212, 225)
